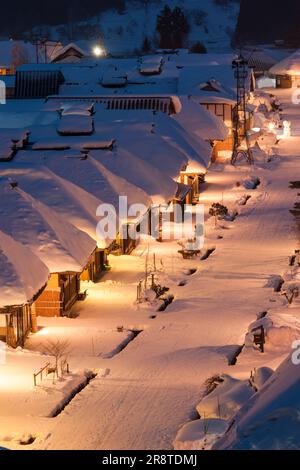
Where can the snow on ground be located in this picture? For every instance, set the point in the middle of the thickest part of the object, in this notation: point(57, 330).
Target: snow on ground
point(151, 388)
point(270, 419)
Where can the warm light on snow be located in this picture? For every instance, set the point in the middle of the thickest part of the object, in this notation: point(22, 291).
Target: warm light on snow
point(271, 126)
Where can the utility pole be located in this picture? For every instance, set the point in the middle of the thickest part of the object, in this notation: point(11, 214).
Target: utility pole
point(240, 132)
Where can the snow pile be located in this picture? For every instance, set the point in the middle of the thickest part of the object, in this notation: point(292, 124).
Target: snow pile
point(200, 434)
point(226, 396)
point(22, 274)
point(270, 419)
point(280, 330)
point(260, 376)
point(226, 399)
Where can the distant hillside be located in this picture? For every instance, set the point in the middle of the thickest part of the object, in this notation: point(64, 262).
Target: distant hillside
point(123, 24)
point(18, 16)
point(268, 20)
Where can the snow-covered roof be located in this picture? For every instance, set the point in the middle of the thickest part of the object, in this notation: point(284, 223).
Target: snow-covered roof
point(182, 74)
point(75, 124)
point(288, 66)
point(74, 204)
point(151, 150)
point(156, 139)
point(69, 47)
point(259, 59)
point(197, 120)
point(113, 78)
point(60, 245)
point(193, 78)
point(22, 273)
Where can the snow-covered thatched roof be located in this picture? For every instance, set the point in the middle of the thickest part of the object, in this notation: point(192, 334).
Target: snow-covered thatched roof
point(288, 66)
point(73, 203)
point(61, 246)
point(197, 120)
point(22, 274)
point(259, 59)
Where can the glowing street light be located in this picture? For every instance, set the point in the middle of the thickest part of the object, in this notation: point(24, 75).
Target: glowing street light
point(98, 51)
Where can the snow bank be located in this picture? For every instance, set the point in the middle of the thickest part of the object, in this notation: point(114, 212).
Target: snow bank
point(226, 399)
point(260, 376)
point(200, 434)
point(270, 419)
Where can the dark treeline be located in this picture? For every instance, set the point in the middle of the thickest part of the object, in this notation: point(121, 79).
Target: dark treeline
point(268, 20)
point(18, 16)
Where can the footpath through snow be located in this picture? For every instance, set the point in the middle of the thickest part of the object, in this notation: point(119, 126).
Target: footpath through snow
point(152, 387)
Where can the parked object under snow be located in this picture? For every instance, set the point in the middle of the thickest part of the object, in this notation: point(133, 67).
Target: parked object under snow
point(226, 399)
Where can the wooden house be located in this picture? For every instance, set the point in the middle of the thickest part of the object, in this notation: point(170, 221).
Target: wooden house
point(23, 277)
point(287, 71)
point(65, 250)
point(70, 54)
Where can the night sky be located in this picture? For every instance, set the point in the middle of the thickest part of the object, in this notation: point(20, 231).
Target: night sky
point(268, 20)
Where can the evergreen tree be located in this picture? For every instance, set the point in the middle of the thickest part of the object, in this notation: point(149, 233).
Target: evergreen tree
point(180, 27)
point(172, 26)
point(198, 48)
point(164, 27)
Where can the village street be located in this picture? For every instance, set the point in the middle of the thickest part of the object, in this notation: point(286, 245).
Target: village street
point(152, 387)
point(145, 393)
